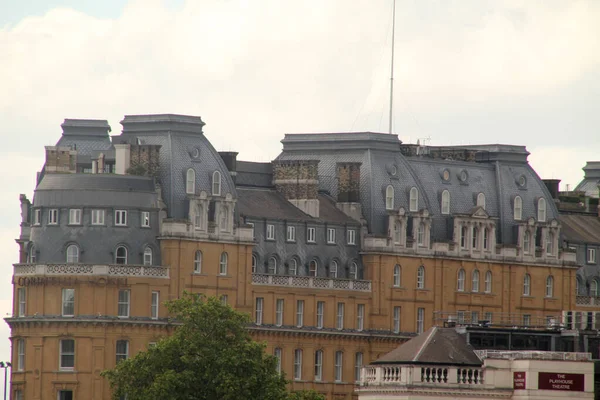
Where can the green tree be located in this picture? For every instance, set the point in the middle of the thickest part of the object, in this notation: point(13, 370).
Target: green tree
point(306, 395)
point(210, 356)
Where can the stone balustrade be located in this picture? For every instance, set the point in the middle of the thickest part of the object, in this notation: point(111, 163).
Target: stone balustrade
point(118, 270)
point(311, 282)
point(411, 375)
point(587, 301)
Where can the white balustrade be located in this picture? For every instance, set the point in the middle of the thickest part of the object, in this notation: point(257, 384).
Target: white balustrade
point(22, 270)
point(311, 282)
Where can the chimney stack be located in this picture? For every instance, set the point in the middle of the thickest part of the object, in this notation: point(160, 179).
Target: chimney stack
point(552, 186)
point(298, 182)
point(230, 160)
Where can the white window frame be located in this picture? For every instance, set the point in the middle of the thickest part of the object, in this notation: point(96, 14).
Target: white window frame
point(333, 269)
point(488, 317)
point(37, 216)
point(488, 281)
point(145, 219)
point(460, 280)
point(198, 214)
point(18, 394)
point(318, 365)
point(198, 262)
point(63, 353)
point(223, 260)
point(313, 268)
point(414, 200)
point(330, 235)
point(279, 306)
point(594, 288)
point(421, 277)
point(358, 364)
point(353, 270)
point(460, 317)
point(53, 216)
point(591, 256)
point(397, 278)
point(68, 302)
point(293, 267)
point(297, 364)
point(339, 324)
point(339, 366)
point(463, 237)
point(120, 217)
point(420, 320)
point(154, 304)
point(526, 319)
point(98, 216)
point(360, 317)
point(541, 210)
point(526, 242)
point(527, 285)
point(20, 354)
point(389, 197)
point(121, 356)
point(474, 317)
point(224, 299)
point(445, 207)
point(550, 286)
point(299, 313)
point(216, 183)
point(421, 234)
point(72, 254)
point(124, 303)
point(22, 302)
point(190, 181)
point(396, 322)
point(549, 243)
point(277, 353)
point(351, 236)
point(291, 233)
point(481, 200)
point(311, 234)
point(485, 239)
point(75, 216)
point(320, 314)
point(272, 265)
point(474, 238)
point(258, 310)
point(117, 257)
point(148, 256)
point(475, 277)
point(518, 208)
point(270, 232)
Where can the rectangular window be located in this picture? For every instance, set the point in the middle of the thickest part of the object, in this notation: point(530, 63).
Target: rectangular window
point(591, 256)
point(65, 395)
point(68, 302)
point(21, 295)
point(145, 223)
point(396, 327)
point(224, 299)
point(291, 233)
point(97, 217)
point(21, 355)
point(121, 217)
point(460, 317)
point(122, 351)
point(310, 235)
point(474, 317)
point(488, 317)
point(526, 319)
point(270, 232)
point(318, 365)
point(360, 317)
point(420, 319)
point(358, 363)
point(297, 364)
point(277, 354)
point(330, 235)
point(320, 313)
point(485, 239)
point(351, 236)
point(463, 237)
point(37, 216)
point(474, 238)
point(53, 216)
point(154, 305)
point(279, 312)
point(123, 309)
point(75, 216)
point(338, 366)
point(299, 313)
point(67, 354)
point(258, 313)
point(18, 395)
point(340, 316)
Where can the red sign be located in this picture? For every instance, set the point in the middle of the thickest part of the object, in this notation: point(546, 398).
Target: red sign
point(519, 380)
point(556, 381)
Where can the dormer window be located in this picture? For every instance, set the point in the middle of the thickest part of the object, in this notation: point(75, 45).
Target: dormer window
point(190, 181)
point(474, 236)
point(541, 210)
point(414, 199)
point(549, 243)
point(421, 234)
point(485, 239)
point(481, 200)
point(463, 237)
point(518, 208)
point(216, 183)
point(445, 202)
point(224, 218)
point(526, 242)
point(389, 198)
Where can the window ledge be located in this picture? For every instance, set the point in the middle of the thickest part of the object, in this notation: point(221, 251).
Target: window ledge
point(201, 274)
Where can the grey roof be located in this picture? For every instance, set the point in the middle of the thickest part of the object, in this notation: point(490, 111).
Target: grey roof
point(85, 127)
point(438, 346)
point(580, 228)
point(95, 182)
point(254, 174)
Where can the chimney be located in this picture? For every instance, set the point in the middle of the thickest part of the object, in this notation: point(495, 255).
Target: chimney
point(100, 162)
point(61, 159)
point(552, 186)
point(122, 158)
point(298, 182)
point(348, 196)
point(230, 160)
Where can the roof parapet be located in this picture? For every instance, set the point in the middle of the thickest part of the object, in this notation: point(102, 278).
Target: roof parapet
point(85, 127)
point(162, 122)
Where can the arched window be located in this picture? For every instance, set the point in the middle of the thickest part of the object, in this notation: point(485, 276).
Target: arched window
point(31, 256)
point(518, 208)
point(594, 288)
point(526, 242)
point(333, 269)
point(121, 255)
point(313, 267)
point(389, 198)
point(293, 267)
point(198, 217)
point(397, 275)
point(272, 265)
point(254, 263)
point(353, 270)
point(414, 199)
point(445, 202)
point(475, 281)
point(223, 264)
point(549, 286)
point(460, 284)
point(216, 183)
point(198, 262)
point(148, 256)
point(421, 277)
point(190, 181)
point(481, 200)
point(488, 282)
point(224, 217)
point(72, 254)
point(541, 210)
point(549, 243)
point(527, 285)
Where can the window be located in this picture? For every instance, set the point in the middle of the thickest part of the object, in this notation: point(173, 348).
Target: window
point(460, 284)
point(121, 217)
point(279, 312)
point(97, 217)
point(485, 239)
point(122, 350)
point(526, 242)
point(421, 277)
point(550, 286)
point(293, 267)
point(463, 237)
point(147, 256)
point(526, 319)
point(353, 271)
point(272, 265)
point(591, 256)
point(488, 282)
point(396, 276)
point(595, 288)
point(396, 325)
point(20, 355)
point(358, 363)
point(37, 216)
point(541, 210)
point(123, 305)
point(277, 353)
point(21, 295)
point(333, 269)
point(121, 255)
point(420, 234)
point(518, 208)
point(270, 232)
point(223, 264)
point(154, 305)
point(320, 313)
point(224, 213)
point(254, 263)
point(313, 268)
point(75, 216)
point(330, 235)
point(527, 285)
point(474, 317)
point(299, 313)
point(198, 219)
point(475, 281)
point(318, 365)
point(258, 312)
point(338, 366)
point(72, 254)
point(420, 319)
point(474, 237)
point(340, 316)
point(190, 181)
point(198, 262)
point(18, 395)
point(488, 317)
point(445, 202)
point(414, 199)
point(216, 183)
point(67, 354)
point(389, 198)
point(297, 364)
point(310, 235)
point(53, 217)
point(291, 233)
point(549, 243)
point(224, 299)
point(460, 317)
point(68, 302)
point(65, 395)
point(351, 236)
point(360, 317)
point(31, 254)
point(145, 219)
point(481, 200)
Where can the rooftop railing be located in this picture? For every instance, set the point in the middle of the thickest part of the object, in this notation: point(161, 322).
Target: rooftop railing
point(311, 282)
point(119, 270)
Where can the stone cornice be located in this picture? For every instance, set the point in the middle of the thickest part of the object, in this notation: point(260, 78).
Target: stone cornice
point(330, 333)
point(46, 320)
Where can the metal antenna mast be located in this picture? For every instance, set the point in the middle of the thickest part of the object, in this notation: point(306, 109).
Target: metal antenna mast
point(392, 67)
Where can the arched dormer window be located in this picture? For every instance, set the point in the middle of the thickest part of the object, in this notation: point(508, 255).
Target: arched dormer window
point(527, 285)
point(594, 288)
point(526, 242)
point(148, 255)
point(72, 254)
point(190, 181)
point(198, 217)
point(481, 200)
point(541, 210)
point(445, 202)
point(293, 267)
point(313, 268)
point(550, 286)
point(121, 255)
point(475, 281)
point(397, 275)
point(333, 269)
point(550, 243)
point(198, 262)
point(224, 220)
point(414, 200)
point(31, 256)
point(272, 266)
point(460, 283)
point(389, 198)
point(518, 208)
point(216, 183)
point(254, 263)
point(353, 270)
point(421, 277)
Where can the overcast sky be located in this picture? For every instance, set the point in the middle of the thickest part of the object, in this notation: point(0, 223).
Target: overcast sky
point(467, 72)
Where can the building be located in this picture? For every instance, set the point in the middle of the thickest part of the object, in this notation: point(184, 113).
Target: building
point(343, 247)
